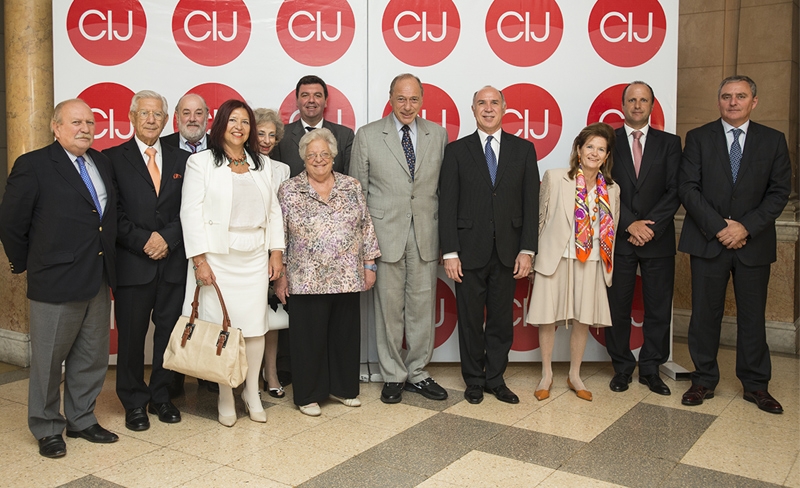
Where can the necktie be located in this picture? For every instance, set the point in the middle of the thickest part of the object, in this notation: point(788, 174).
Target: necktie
point(193, 146)
point(637, 151)
point(408, 149)
point(736, 153)
point(152, 167)
point(309, 128)
point(491, 159)
point(89, 185)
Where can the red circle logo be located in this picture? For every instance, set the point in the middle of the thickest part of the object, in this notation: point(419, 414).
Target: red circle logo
point(524, 32)
point(526, 336)
point(627, 33)
point(106, 32)
point(534, 115)
point(110, 104)
point(315, 32)
point(438, 107)
point(446, 316)
point(215, 94)
point(211, 32)
point(337, 109)
point(606, 108)
point(420, 32)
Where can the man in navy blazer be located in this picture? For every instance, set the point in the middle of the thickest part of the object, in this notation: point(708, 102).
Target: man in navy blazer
point(735, 179)
point(58, 222)
point(646, 162)
point(488, 229)
point(151, 261)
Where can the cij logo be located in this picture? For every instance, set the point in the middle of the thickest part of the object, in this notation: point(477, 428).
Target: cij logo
point(526, 336)
point(419, 32)
point(524, 32)
point(437, 107)
point(337, 109)
point(214, 94)
point(110, 104)
point(627, 33)
point(211, 32)
point(446, 314)
point(607, 108)
point(315, 32)
point(106, 32)
point(533, 114)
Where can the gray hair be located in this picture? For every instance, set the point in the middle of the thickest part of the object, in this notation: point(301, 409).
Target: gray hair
point(404, 76)
point(735, 79)
point(264, 115)
point(324, 134)
point(149, 94)
point(180, 101)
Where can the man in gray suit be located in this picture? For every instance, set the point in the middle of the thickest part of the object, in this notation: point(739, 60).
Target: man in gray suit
point(397, 160)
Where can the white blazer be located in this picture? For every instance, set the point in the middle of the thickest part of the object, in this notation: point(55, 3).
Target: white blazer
point(207, 200)
point(280, 173)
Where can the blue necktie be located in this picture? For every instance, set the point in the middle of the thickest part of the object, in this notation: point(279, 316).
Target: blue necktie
point(89, 185)
point(491, 159)
point(408, 149)
point(736, 153)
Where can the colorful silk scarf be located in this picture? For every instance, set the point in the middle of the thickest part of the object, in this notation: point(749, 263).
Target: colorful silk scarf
point(583, 222)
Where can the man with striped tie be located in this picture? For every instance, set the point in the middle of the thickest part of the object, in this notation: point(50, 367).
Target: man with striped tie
point(191, 115)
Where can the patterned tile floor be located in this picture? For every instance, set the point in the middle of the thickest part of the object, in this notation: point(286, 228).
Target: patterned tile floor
point(635, 438)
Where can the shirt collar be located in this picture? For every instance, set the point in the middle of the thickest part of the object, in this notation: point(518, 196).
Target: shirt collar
point(728, 126)
point(484, 136)
point(399, 125)
point(629, 130)
point(143, 146)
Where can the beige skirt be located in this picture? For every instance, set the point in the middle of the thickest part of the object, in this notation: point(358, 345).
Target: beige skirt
point(576, 291)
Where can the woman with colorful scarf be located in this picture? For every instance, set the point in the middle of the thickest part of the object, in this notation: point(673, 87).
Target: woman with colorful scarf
point(578, 213)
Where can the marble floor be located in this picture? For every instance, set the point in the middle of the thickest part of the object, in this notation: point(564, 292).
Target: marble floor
point(635, 439)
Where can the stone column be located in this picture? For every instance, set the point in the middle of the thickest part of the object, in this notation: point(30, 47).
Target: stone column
point(28, 28)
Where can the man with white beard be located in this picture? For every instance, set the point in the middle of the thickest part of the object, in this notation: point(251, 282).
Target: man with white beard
point(191, 114)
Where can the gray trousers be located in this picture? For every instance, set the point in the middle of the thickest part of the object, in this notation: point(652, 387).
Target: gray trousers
point(75, 333)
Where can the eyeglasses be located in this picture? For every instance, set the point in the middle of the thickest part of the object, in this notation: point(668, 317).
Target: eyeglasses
point(313, 156)
point(144, 114)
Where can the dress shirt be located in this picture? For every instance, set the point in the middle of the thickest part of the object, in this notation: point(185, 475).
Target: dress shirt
point(203, 143)
point(143, 147)
point(306, 125)
point(412, 133)
point(94, 175)
point(729, 134)
point(642, 140)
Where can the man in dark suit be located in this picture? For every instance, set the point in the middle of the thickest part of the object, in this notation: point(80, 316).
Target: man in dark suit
point(191, 114)
point(646, 162)
point(312, 96)
point(735, 179)
point(58, 221)
point(488, 228)
point(151, 262)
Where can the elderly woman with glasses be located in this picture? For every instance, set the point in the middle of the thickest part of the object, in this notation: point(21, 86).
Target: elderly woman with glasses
point(330, 258)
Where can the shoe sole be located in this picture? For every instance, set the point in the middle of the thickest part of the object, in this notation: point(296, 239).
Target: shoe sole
point(76, 435)
point(55, 455)
point(137, 428)
point(427, 395)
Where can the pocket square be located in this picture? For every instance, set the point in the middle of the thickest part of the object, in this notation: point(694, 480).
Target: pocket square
point(177, 176)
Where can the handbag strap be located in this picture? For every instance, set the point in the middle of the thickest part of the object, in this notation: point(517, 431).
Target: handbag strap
point(226, 320)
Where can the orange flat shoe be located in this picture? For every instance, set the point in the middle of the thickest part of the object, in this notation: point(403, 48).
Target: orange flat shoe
point(543, 394)
point(582, 394)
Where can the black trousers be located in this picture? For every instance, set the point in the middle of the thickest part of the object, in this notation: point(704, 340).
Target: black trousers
point(484, 353)
point(658, 279)
point(325, 333)
point(709, 282)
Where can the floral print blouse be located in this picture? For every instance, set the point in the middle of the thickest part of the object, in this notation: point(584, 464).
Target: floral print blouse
point(326, 242)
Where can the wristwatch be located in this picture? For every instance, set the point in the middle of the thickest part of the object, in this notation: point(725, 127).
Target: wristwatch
point(371, 267)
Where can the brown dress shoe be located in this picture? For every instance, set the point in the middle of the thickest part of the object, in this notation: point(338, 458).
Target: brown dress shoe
point(696, 394)
point(764, 400)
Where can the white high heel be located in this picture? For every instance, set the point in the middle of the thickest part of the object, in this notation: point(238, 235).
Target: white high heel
point(255, 416)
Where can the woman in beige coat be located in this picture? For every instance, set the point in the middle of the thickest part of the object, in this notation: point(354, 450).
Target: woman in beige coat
point(578, 212)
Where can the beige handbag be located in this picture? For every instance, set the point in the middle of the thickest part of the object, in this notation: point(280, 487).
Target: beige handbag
point(206, 350)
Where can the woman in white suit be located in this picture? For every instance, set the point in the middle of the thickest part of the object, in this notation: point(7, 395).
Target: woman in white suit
point(233, 233)
point(578, 213)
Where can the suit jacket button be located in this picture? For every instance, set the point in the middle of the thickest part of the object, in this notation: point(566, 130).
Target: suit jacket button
point(101, 228)
point(100, 253)
point(408, 215)
point(412, 197)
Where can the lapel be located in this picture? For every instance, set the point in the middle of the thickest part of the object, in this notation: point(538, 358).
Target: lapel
point(298, 131)
point(423, 141)
point(567, 195)
point(750, 147)
point(135, 159)
point(625, 158)
point(721, 148)
point(66, 169)
point(105, 174)
point(263, 184)
point(506, 156)
point(167, 165)
point(649, 156)
point(478, 156)
point(392, 140)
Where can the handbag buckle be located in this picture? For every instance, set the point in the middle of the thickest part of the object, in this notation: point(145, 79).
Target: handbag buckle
point(222, 341)
point(187, 333)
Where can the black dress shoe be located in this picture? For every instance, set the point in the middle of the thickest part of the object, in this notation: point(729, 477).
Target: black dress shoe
point(175, 387)
point(392, 392)
point(167, 412)
point(620, 382)
point(696, 394)
point(137, 419)
point(52, 446)
point(209, 385)
point(503, 394)
point(427, 388)
point(474, 394)
point(764, 400)
point(95, 433)
point(655, 383)
point(284, 378)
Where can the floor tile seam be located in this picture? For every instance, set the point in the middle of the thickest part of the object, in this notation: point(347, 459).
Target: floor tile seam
point(13, 376)
point(706, 444)
point(767, 422)
point(730, 474)
point(796, 461)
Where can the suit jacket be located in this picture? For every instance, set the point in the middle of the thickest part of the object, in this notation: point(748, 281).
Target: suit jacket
point(474, 216)
point(174, 140)
point(396, 201)
point(50, 227)
point(288, 149)
point(557, 219)
point(207, 200)
point(710, 196)
point(651, 196)
point(140, 213)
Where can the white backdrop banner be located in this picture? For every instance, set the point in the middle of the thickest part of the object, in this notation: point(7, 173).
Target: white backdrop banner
point(560, 63)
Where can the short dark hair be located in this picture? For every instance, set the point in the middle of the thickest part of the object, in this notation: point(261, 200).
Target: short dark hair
point(311, 80)
point(638, 82)
point(217, 135)
point(598, 129)
point(737, 78)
